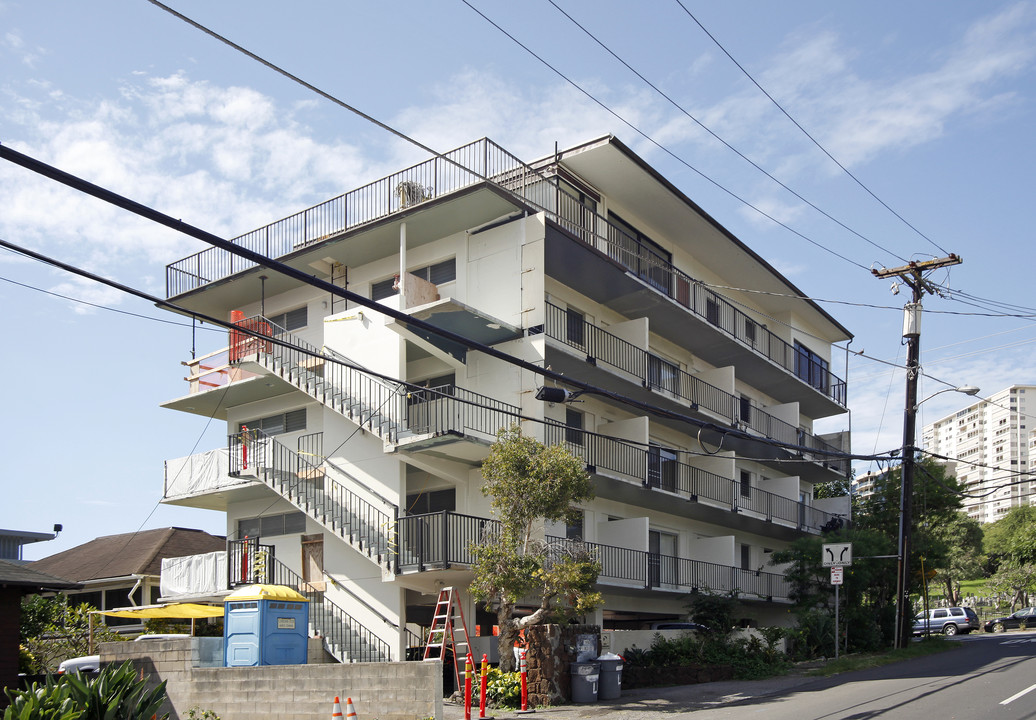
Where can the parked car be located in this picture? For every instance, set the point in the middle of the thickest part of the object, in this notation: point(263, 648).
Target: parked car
point(84, 664)
point(1012, 621)
point(948, 621)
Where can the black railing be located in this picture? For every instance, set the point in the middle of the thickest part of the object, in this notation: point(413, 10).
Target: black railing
point(623, 566)
point(312, 489)
point(654, 372)
point(470, 164)
point(439, 540)
point(344, 636)
point(249, 563)
point(389, 409)
point(659, 469)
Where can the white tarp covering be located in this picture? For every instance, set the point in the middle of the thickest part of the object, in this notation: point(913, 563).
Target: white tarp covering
point(204, 472)
point(194, 575)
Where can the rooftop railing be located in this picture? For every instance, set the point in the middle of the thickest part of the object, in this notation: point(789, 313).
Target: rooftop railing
point(477, 162)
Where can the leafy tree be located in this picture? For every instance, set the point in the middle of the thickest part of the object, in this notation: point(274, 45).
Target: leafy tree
point(1012, 539)
point(1016, 580)
point(53, 630)
point(961, 538)
point(530, 483)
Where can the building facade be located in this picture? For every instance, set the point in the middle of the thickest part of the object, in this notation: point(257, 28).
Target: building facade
point(991, 440)
point(355, 437)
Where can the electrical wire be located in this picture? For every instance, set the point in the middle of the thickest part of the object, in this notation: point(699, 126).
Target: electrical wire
point(726, 144)
point(660, 146)
point(806, 132)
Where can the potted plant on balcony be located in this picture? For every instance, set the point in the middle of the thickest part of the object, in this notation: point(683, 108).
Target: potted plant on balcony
point(411, 192)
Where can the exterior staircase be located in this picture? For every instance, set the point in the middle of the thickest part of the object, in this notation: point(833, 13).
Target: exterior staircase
point(319, 489)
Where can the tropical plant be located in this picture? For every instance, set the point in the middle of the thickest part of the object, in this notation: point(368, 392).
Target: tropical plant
point(116, 694)
point(50, 700)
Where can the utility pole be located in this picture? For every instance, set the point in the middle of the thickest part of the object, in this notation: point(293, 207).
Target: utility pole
point(913, 276)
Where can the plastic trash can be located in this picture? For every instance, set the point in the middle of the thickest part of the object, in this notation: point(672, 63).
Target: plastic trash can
point(610, 686)
point(584, 681)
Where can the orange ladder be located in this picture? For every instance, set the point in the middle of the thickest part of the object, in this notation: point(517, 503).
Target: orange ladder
point(443, 632)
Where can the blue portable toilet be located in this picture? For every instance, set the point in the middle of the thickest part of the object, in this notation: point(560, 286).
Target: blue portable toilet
point(265, 625)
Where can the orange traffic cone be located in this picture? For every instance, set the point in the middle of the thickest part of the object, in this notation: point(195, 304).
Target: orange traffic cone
point(349, 711)
point(336, 710)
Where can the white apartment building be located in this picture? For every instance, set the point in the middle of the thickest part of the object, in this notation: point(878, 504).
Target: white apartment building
point(352, 464)
point(991, 440)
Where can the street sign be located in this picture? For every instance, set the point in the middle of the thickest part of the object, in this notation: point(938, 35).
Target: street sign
point(837, 554)
point(837, 574)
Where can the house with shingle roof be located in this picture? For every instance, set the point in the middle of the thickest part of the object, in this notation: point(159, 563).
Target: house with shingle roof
point(118, 571)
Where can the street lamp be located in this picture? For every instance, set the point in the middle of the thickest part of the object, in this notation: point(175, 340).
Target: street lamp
point(965, 389)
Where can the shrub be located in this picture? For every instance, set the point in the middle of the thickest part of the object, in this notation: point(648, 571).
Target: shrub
point(504, 689)
point(116, 694)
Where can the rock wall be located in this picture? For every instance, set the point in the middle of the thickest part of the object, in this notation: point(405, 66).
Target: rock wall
point(550, 651)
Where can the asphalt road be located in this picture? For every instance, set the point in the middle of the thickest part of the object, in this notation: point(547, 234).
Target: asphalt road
point(988, 676)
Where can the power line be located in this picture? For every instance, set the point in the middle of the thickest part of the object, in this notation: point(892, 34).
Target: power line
point(709, 130)
point(806, 132)
point(659, 145)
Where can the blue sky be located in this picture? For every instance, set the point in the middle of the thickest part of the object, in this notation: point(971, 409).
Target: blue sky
point(929, 104)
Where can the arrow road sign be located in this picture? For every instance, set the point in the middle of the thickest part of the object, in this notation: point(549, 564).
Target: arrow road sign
point(837, 554)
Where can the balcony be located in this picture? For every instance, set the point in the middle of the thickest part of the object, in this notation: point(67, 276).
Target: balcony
point(214, 384)
point(203, 481)
point(647, 276)
point(654, 479)
point(442, 541)
point(598, 348)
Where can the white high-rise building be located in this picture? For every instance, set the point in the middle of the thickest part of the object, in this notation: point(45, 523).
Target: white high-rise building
point(991, 440)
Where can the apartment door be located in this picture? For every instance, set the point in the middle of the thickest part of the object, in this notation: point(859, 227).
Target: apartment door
point(313, 563)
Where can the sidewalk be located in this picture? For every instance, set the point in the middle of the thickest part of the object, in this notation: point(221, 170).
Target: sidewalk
point(669, 701)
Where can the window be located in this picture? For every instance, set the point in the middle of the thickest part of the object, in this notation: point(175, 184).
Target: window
point(437, 274)
point(746, 557)
point(575, 323)
point(267, 525)
point(712, 310)
point(577, 209)
point(431, 501)
point(644, 257)
point(750, 328)
point(663, 375)
point(662, 468)
point(574, 429)
point(810, 367)
point(745, 410)
point(292, 320)
point(746, 483)
point(574, 529)
point(292, 421)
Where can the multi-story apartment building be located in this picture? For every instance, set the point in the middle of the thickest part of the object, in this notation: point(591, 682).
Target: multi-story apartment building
point(355, 437)
point(990, 439)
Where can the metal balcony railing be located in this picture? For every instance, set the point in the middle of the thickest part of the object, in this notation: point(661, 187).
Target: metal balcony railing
point(659, 469)
point(657, 373)
point(471, 164)
point(623, 566)
point(439, 540)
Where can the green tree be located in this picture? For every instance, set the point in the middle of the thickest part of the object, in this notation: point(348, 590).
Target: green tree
point(55, 630)
point(1011, 540)
point(961, 541)
point(529, 484)
point(1015, 580)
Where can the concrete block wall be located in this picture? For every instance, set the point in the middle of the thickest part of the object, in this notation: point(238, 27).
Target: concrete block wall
point(387, 691)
